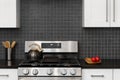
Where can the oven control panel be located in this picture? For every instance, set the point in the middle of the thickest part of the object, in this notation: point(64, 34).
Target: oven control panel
point(49, 71)
point(53, 46)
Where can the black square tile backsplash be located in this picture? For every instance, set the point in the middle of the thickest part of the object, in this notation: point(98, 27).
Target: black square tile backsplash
point(61, 20)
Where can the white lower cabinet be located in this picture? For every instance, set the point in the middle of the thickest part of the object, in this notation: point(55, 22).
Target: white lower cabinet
point(97, 74)
point(8, 74)
point(116, 74)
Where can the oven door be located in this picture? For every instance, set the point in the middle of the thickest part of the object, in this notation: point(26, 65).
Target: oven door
point(49, 78)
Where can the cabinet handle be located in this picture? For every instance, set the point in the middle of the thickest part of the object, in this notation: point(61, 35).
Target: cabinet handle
point(106, 10)
point(4, 75)
point(114, 10)
point(97, 75)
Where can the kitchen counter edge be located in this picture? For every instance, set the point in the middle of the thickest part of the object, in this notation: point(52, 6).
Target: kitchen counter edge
point(105, 63)
point(13, 64)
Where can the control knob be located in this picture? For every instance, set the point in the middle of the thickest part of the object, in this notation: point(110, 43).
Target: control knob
point(63, 72)
point(49, 71)
point(73, 72)
point(35, 72)
point(25, 71)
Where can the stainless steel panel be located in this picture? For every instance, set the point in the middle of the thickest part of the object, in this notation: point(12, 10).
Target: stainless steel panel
point(56, 71)
point(66, 46)
point(49, 78)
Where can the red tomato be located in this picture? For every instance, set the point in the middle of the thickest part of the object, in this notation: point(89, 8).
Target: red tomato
point(93, 59)
point(97, 59)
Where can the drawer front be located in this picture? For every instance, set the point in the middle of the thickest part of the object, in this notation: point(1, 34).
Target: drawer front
point(8, 74)
point(97, 74)
point(116, 74)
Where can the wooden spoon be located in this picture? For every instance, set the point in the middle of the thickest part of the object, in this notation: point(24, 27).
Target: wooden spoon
point(7, 43)
point(3, 43)
point(13, 44)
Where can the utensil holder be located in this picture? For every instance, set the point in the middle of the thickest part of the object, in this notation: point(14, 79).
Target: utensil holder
point(8, 54)
point(9, 63)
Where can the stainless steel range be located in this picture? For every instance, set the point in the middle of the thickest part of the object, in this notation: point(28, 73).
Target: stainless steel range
point(59, 62)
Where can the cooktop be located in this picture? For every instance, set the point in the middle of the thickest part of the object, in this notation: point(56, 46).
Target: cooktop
point(51, 62)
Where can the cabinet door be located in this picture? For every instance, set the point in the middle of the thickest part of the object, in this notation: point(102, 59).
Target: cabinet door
point(8, 74)
point(96, 13)
point(97, 74)
point(116, 74)
point(9, 13)
point(115, 13)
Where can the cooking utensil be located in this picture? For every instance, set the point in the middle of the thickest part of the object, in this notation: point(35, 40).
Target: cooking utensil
point(9, 52)
point(35, 46)
point(3, 43)
point(7, 43)
point(13, 44)
point(34, 55)
point(35, 52)
point(9, 63)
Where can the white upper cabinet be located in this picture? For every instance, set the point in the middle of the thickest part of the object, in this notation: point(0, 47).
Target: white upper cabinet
point(9, 13)
point(101, 13)
point(96, 13)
